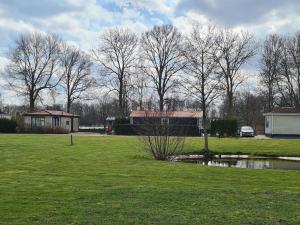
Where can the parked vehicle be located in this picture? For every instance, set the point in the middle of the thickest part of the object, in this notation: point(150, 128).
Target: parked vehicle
point(247, 131)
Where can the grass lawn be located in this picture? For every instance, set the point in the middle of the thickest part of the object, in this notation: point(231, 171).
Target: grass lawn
point(110, 180)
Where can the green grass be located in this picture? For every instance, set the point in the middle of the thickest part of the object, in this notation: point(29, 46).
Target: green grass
point(110, 180)
point(269, 147)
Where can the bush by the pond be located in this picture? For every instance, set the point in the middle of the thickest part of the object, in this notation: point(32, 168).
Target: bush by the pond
point(7, 126)
point(224, 127)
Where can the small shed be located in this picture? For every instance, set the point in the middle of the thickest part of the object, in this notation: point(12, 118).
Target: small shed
point(52, 119)
point(283, 122)
point(110, 124)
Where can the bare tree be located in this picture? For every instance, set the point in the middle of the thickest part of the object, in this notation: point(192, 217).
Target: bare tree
point(162, 57)
point(270, 61)
point(202, 82)
point(140, 86)
point(233, 51)
point(33, 65)
point(116, 55)
point(289, 79)
point(76, 70)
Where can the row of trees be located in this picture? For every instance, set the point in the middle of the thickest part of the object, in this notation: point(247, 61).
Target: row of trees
point(161, 59)
point(40, 62)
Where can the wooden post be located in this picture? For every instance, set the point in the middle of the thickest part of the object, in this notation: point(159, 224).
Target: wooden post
point(71, 139)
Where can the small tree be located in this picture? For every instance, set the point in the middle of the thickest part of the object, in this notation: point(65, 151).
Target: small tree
point(202, 82)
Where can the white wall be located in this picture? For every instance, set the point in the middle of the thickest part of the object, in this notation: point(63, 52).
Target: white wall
point(76, 124)
point(289, 124)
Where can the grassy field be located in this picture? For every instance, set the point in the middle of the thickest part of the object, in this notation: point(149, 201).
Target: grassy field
point(110, 180)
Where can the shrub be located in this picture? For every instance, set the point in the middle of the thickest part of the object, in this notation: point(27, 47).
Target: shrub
point(7, 126)
point(224, 127)
point(45, 130)
point(162, 140)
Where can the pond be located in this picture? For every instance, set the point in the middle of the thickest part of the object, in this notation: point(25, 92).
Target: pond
point(243, 161)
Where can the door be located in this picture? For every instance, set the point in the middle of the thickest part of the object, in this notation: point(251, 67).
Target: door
point(72, 122)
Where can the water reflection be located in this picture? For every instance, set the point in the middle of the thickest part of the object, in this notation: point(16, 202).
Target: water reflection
point(250, 163)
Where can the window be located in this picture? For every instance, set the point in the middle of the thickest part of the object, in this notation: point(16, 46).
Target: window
point(267, 122)
point(67, 122)
point(164, 121)
point(37, 121)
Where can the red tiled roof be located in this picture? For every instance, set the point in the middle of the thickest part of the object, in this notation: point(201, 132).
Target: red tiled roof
point(175, 114)
point(50, 113)
point(285, 110)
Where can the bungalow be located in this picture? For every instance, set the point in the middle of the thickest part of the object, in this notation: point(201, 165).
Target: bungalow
point(185, 118)
point(52, 119)
point(283, 122)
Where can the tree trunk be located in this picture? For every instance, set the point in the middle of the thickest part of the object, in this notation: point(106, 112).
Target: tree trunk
point(31, 101)
point(206, 150)
point(230, 105)
point(68, 104)
point(121, 110)
point(161, 102)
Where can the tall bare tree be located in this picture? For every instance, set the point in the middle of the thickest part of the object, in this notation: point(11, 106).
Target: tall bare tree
point(116, 55)
point(270, 62)
point(202, 82)
point(34, 61)
point(76, 70)
point(140, 86)
point(289, 83)
point(162, 58)
point(233, 51)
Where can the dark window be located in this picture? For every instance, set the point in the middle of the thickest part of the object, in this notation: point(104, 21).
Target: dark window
point(55, 122)
point(67, 122)
point(164, 121)
point(37, 121)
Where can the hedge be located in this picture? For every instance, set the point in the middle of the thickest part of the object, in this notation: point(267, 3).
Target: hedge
point(224, 127)
point(7, 126)
point(45, 130)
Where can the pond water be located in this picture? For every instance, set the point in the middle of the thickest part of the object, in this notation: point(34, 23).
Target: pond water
point(286, 163)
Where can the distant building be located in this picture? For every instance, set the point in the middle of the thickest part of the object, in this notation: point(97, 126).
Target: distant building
point(52, 119)
point(5, 116)
point(283, 122)
point(185, 118)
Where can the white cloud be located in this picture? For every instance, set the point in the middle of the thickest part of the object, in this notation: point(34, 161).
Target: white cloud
point(185, 23)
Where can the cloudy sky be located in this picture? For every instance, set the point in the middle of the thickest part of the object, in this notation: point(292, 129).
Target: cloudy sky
point(81, 21)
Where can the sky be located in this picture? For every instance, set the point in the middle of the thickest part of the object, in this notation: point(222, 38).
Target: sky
point(80, 22)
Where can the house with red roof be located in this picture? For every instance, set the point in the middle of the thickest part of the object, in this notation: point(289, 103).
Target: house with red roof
point(178, 118)
point(52, 119)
